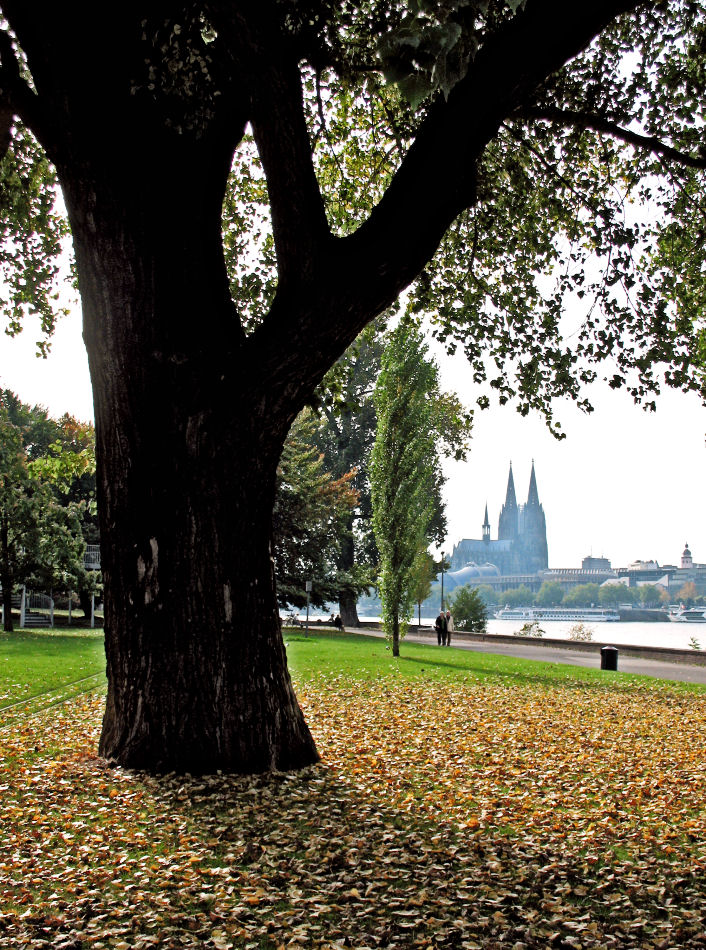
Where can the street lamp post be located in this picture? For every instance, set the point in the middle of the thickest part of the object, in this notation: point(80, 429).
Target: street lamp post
point(442, 580)
point(308, 594)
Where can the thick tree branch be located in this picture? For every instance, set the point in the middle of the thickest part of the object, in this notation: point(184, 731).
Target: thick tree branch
point(298, 216)
point(299, 220)
point(587, 120)
point(359, 276)
point(435, 182)
point(365, 272)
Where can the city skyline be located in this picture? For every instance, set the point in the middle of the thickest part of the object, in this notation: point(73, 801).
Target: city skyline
point(624, 484)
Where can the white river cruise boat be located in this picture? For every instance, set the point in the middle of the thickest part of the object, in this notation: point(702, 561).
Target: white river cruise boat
point(575, 614)
point(689, 615)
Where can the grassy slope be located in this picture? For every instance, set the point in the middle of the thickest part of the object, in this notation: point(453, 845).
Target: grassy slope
point(357, 656)
point(34, 662)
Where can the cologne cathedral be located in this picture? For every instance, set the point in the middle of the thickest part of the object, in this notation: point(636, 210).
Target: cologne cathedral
point(521, 547)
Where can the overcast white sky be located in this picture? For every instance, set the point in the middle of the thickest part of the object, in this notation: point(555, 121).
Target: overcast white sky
point(624, 484)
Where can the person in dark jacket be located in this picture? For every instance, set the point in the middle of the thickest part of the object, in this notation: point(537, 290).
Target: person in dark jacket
point(441, 628)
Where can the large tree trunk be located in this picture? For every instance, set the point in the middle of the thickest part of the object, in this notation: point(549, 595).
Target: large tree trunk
point(348, 601)
point(84, 599)
point(191, 417)
point(187, 449)
point(6, 579)
point(348, 605)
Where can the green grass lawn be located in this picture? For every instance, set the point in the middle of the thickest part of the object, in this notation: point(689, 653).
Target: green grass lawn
point(357, 656)
point(32, 663)
point(35, 662)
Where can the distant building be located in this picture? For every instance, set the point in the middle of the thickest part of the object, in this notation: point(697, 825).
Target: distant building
point(667, 576)
point(639, 573)
point(521, 546)
point(570, 577)
point(637, 566)
point(596, 564)
point(688, 573)
point(519, 556)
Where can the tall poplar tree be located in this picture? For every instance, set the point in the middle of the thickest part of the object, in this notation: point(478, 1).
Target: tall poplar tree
point(346, 435)
point(403, 470)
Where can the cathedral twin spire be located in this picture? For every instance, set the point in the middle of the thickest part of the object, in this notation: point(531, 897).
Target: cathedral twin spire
point(510, 500)
point(533, 496)
point(521, 545)
point(510, 497)
point(520, 519)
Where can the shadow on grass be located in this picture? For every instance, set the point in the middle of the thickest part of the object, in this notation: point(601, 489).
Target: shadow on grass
point(532, 672)
point(479, 664)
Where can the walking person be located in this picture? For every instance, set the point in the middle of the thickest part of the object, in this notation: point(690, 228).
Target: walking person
point(441, 629)
point(449, 627)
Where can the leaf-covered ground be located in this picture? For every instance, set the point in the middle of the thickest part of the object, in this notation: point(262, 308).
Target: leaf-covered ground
point(444, 814)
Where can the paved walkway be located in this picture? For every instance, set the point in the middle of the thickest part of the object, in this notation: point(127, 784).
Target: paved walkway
point(681, 672)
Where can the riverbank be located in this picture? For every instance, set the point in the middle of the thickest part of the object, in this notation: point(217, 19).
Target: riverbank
point(636, 615)
point(659, 635)
point(665, 654)
point(685, 666)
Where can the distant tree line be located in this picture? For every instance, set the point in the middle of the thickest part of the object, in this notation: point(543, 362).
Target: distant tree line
point(552, 594)
point(48, 509)
point(47, 502)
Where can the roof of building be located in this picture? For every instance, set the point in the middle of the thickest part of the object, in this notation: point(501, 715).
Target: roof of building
point(471, 572)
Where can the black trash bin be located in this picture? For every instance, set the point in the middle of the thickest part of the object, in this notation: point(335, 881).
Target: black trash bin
point(609, 658)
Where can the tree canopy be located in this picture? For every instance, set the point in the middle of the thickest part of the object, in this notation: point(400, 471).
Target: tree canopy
point(469, 609)
point(549, 594)
point(584, 177)
point(312, 507)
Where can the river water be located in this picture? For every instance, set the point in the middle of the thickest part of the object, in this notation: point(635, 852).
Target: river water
point(667, 634)
point(678, 636)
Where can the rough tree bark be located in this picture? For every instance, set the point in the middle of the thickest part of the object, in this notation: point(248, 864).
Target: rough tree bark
point(187, 449)
point(6, 579)
point(348, 606)
point(348, 601)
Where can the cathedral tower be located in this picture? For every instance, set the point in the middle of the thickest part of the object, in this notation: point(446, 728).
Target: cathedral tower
point(521, 546)
point(508, 521)
point(533, 531)
point(533, 495)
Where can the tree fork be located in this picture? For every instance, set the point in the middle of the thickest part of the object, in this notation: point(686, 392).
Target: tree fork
point(187, 449)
